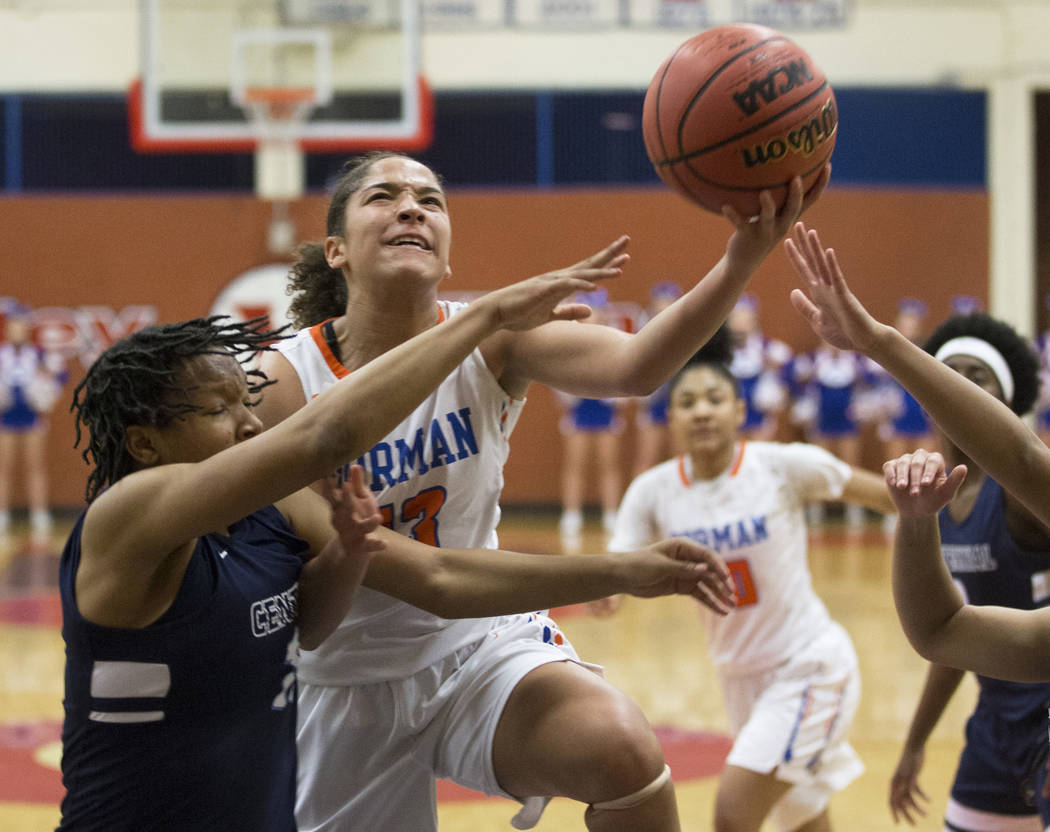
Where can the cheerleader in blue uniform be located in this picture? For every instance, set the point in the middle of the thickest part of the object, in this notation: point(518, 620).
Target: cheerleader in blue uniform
point(592, 430)
point(758, 364)
point(651, 436)
point(834, 380)
point(30, 382)
point(903, 425)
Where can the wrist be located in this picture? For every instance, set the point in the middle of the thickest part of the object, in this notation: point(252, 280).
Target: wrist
point(483, 315)
point(880, 342)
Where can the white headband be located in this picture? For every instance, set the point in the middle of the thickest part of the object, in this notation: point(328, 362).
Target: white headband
point(982, 350)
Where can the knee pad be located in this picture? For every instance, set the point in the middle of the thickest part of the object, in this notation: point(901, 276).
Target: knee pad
point(640, 796)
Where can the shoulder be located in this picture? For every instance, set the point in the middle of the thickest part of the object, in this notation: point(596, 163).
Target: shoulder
point(284, 395)
point(786, 455)
point(666, 474)
point(451, 308)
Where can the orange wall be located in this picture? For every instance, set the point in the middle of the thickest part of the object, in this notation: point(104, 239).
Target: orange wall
point(177, 252)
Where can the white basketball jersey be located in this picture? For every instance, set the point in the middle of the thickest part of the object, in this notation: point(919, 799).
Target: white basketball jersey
point(753, 516)
point(437, 478)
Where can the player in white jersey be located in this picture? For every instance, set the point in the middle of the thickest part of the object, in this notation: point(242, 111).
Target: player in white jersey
point(788, 671)
point(501, 705)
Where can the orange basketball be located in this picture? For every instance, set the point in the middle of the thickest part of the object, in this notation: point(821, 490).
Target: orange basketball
point(735, 110)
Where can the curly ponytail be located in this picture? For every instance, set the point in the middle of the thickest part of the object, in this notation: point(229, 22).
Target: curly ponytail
point(317, 290)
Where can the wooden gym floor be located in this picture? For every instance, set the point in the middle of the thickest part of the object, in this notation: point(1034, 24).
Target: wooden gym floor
point(653, 649)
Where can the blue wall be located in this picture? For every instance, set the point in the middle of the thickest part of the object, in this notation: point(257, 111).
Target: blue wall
point(891, 137)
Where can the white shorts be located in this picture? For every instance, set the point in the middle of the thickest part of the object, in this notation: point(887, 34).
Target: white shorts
point(795, 719)
point(369, 754)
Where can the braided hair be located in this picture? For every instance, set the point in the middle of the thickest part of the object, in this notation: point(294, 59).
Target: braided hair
point(1015, 350)
point(136, 382)
point(317, 290)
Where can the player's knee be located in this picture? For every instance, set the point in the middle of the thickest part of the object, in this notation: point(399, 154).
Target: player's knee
point(653, 790)
point(626, 754)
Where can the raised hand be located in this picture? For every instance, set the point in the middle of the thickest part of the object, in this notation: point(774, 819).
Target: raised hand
point(824, 300)
point(919, 484)
point(681, 567)
point(613, 256)
point(904, 788)
point(755, 237)
point(538, 300)
point(355, 513)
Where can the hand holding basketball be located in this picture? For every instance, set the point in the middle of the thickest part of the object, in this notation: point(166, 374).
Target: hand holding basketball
point(736, 110)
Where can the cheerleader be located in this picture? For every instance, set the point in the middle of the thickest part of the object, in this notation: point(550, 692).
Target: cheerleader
point(30, 383)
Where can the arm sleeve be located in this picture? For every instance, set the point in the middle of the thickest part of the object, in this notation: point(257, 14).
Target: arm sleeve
point(814, 473)
point(635, 522)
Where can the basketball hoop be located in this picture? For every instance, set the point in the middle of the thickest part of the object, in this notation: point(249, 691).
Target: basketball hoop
point(277, 115)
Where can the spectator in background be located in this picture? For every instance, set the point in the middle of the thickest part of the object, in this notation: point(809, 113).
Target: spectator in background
point(757, 364)
point(30, 382)
point(651, 436)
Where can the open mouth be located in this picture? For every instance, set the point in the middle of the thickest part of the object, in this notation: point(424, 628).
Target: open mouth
point(410, 241)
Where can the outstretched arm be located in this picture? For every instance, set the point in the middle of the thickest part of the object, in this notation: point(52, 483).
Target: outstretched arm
point(598, 361)
point(868, 489)
point(332, 575)
point(985, 429)
point(137, 525)
point(906, 795)
point(994, 641)
point(470, 583)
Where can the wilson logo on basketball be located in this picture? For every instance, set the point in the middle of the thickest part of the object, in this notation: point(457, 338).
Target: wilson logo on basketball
point(803, 140)
point(791, 75)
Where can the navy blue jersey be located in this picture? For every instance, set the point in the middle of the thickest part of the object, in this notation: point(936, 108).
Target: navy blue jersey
point(993, 569)
point(189, 723)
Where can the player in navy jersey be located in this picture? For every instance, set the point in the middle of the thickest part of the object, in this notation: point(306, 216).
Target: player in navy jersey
point(502, 705)
point(995, 641)
point(202, 562)
point(999, 554)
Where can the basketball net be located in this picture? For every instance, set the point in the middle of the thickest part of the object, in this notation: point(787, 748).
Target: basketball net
point(277, 115)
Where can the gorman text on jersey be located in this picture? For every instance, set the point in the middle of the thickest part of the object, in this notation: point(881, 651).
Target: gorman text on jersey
point(448, 439)
point(735, 535)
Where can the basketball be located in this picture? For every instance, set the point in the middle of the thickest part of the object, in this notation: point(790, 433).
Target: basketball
point(735, 110)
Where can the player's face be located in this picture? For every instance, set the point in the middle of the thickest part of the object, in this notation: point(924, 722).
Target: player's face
point(223, 415)
point(397, 224)
point(909, 325)
point(17, 330)
point(742, 320)
point(978, 372)
point(705, 412)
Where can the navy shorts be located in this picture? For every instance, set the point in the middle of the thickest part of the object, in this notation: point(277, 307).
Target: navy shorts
point(1002, 767)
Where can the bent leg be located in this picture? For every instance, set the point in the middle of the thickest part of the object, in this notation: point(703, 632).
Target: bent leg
point(565, 731)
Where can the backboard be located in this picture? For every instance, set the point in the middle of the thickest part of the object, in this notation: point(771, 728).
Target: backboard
point(352, 67)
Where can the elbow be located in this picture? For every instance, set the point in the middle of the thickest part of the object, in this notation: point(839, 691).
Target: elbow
point(310, 639)
point(440, 599)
